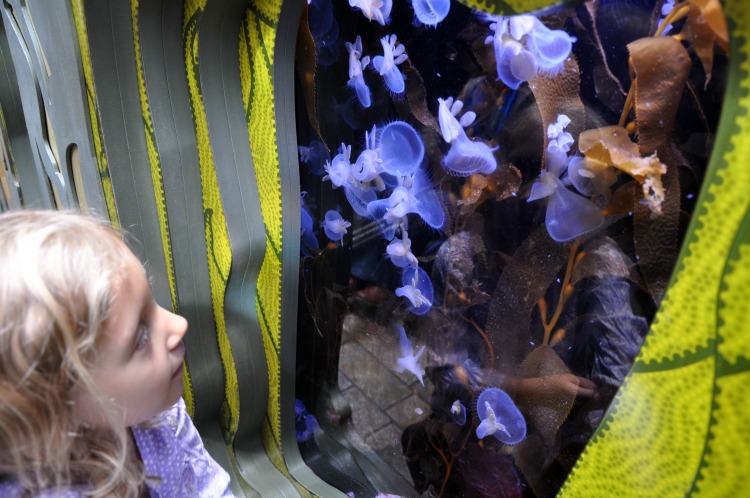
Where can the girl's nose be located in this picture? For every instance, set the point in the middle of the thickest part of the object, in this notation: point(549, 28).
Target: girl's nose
point(177, 328)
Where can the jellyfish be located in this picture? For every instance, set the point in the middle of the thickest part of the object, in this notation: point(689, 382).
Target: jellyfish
point(308, 242)
point(499, 417)
point(324, 30)
point(458, 411)
point(568, 214)
point(408, 360)
point(401, 148)
point(379, 10)
point(339, 170)
point(306, 425)
point(431, 12)
point(399, 250)
point(335, 226)
point(427, 205)
point(387, 64)
point(315, 156)
point(524, 47)
point(356, 68)
point(368, 166)
point(465, 157)
point(359, 198)
point(417, 289)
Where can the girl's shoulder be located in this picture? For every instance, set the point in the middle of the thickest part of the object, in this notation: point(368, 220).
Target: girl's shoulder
point(175, 459)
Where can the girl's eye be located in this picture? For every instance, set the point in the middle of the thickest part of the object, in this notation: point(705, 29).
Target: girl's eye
point(143, 336)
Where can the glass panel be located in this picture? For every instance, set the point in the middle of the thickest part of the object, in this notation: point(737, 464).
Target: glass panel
point(491, 211)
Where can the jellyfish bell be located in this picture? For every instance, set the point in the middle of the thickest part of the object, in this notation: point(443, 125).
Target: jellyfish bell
point(458, 412)
point(524, 65)
point(387, 64)
point(314, 156)
point(552, 47)
point(431, 12)
point(467, 157)
point(508, 426)
point(359, 198)
point(427, 204)
point(401, 148)
point(417, 289)
point(570, 215)
point(335, 226)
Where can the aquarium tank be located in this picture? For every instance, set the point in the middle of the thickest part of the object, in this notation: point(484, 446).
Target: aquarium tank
point(491, 210)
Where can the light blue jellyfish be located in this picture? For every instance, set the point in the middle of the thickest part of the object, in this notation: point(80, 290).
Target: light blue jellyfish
point(367, 168)
point(458, 411)
point(399, 251)
point(401, 148)
point(431, 12)
point(427, 204)
point(387, 64)
point(408, 360)
point(335, 226)
point(339, 170)
point(499, 417)
point(417, 289)
point(324, 30)
point(306, 425)
point(568, 214)
point(391, 212)
point(308, 242)
point(524, 47)
point(465, 157)
point(314, 156)
point(356, 74)
point(378, 10)
point(359, 198)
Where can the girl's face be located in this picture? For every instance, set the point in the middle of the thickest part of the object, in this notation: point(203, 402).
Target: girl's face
point(140, 360)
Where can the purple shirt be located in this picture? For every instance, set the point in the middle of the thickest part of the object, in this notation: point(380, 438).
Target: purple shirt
point(176, 462)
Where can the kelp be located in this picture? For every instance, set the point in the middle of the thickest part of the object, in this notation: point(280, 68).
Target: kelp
point(560, 95)
point(524, 281)
point(307, 62)
point(705, 29)
point(611, 146)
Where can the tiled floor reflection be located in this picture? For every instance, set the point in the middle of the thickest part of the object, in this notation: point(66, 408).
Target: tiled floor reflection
point(383, 401)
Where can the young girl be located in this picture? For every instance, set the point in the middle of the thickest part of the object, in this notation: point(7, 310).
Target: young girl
point(90, 370)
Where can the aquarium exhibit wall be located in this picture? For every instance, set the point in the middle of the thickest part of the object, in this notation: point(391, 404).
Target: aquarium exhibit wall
point(425, 247)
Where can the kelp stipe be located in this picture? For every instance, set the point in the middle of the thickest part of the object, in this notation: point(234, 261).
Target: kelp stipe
point(499, 416)
point(431, 12)
point(417, 289)
point(387, 64)
point(401, 148)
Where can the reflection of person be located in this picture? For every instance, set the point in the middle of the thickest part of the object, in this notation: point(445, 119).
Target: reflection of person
point(90, 369)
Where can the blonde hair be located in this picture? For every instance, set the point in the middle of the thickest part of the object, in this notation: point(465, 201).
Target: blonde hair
point(57, 275)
